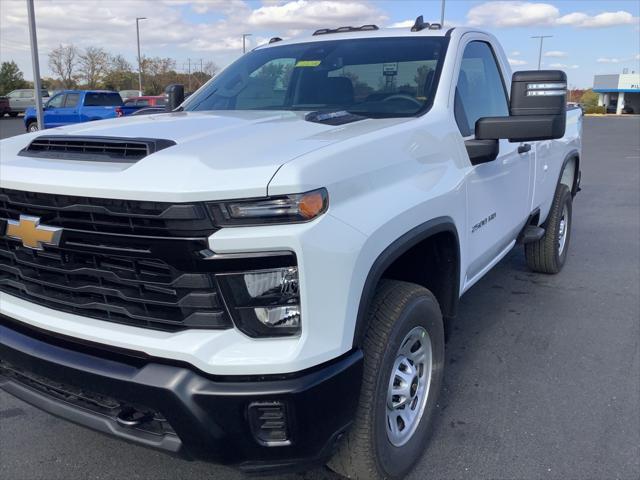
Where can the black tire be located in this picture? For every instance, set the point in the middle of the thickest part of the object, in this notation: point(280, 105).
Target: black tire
point(13, 114)
point(32, 126)
point(367, 452)
point(544, 255)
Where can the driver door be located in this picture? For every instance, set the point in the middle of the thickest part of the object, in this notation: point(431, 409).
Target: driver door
point(53, 111)
point(498, 196)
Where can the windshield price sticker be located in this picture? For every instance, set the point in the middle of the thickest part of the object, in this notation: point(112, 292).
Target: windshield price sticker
point(308, 63)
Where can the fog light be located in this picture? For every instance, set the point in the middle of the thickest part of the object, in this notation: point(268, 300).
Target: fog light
point(268, 421)
point(264, 303)
point(288, 316)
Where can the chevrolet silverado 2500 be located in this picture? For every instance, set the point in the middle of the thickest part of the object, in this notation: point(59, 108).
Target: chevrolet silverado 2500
point(264, 277)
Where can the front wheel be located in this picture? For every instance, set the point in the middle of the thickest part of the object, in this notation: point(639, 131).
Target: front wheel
point(549, 254)
point(403, 368)
point(32, 126)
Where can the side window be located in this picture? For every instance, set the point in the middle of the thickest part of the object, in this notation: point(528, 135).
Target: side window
point(72, 100)
point(142, 103)
point(102, 99)
point(480, 91)
point(57, 101)
point(26, 94)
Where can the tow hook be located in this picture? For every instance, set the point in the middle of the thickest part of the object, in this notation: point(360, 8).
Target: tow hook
point(130, 417)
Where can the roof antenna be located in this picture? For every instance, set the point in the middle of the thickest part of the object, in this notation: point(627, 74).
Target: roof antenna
point(419, 25)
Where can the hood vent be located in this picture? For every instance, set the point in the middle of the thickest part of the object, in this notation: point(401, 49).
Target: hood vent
point(94, 149)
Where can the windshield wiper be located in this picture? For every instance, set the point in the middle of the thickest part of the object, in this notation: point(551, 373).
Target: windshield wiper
point(337, 117)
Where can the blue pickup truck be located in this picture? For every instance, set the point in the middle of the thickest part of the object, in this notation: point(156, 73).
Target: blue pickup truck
point(77, 106)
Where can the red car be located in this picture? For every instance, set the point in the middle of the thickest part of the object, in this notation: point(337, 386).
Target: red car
point(4, 106)
point(146, 101)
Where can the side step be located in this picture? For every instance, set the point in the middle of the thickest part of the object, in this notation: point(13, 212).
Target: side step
point(531, 233)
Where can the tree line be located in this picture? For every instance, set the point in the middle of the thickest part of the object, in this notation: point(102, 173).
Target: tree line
point(94, 67)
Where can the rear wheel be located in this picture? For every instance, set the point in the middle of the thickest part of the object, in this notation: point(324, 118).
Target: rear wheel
point(32, 126)
point(549, 254)
point(403, 367)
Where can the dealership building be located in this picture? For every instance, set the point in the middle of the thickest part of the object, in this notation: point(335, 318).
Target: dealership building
point(619, 93)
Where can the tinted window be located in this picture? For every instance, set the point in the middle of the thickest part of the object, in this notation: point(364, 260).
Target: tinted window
point(100, 99)
point(161, 102)
point(57, 101)
point(480, 91)
point(72, 99)
point(375, 76)
point(142, 103)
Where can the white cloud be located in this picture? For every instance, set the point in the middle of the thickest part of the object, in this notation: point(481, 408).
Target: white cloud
point(403, 24)
point(520, 14)
point(555, 54)
point(563, 66)
point(618, 59)
point(605, 19)
point(315, 14)
point(515, 53)
point(512, 14)
point(514, 62)
point(608, 60)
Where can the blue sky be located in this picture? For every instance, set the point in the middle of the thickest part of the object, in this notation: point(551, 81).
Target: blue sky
point(589, 37)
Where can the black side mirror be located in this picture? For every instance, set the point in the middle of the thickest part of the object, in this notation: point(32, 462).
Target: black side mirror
point(537, 110)
point(175, 95)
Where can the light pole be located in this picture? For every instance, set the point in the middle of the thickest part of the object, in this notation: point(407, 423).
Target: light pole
point(139, 59)
point(244, 43)
point(37, 89)
point(541, 37)
point(442, 14)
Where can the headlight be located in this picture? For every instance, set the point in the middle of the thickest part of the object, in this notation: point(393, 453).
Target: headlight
point(283, 209)
point(264, 303)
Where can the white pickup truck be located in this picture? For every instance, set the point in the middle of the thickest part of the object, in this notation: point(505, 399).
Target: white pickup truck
point(264, 276)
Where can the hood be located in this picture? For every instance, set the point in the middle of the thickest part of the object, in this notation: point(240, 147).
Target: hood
point(218, 155)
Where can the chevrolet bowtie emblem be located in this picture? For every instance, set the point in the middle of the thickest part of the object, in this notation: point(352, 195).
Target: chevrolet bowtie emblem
point(33, 235)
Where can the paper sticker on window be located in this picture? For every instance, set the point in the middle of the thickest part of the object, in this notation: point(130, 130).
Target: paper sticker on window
point(308, 63)
point(389, 69)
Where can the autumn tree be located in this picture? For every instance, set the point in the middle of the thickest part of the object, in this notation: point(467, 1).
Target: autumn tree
point(120, 74)
point(157, 73)
point(63, 61)
point(93, 64)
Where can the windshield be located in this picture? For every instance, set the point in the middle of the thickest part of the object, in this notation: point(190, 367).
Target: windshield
point(383, 77)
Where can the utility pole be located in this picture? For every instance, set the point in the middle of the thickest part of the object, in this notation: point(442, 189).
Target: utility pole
point(541, 37)
point(442, 13)
point(244, 43)
point(189, 60)
point(139, 59)
point(37, 87)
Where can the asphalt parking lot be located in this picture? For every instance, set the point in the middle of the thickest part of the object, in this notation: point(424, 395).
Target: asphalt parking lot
point(543, 372)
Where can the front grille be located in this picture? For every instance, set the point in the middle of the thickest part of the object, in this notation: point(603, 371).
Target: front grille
point(144, 292)
point(109, 215)
point(129, 262)
point(94, 148)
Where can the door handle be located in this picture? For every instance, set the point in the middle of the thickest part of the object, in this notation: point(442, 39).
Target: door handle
point(524, 148)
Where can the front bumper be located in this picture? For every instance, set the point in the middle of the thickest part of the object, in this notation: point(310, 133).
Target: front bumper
point(179, 409)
